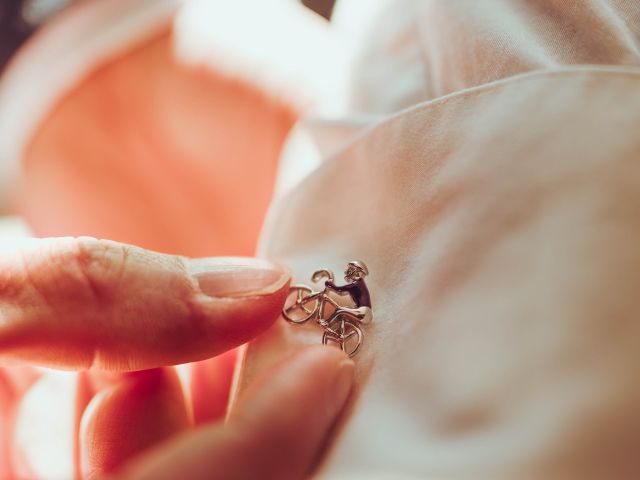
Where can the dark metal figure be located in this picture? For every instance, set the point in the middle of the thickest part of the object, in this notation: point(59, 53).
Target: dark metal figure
point(342, 326)
point(357, 289)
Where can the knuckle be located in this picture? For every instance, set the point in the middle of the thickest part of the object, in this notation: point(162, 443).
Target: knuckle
point(63, 271)
point(100, 263)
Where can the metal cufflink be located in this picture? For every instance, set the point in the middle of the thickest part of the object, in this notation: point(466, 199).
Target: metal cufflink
point(341, 324)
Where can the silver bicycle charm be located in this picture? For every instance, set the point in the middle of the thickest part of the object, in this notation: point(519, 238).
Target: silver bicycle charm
point(341, 324)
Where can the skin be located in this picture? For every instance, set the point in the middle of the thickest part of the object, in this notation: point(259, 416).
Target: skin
point(133, 173)
point(138, 424)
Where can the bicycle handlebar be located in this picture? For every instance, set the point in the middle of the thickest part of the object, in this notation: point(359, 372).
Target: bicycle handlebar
point(317, 276)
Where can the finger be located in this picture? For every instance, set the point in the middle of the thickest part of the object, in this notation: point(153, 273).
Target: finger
point(210, 387)
point(115, 411)
point(142, 409)
point(276, 431)
point(78, 302)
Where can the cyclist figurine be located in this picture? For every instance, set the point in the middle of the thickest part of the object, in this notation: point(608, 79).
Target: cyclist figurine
point(343, 325)
point(357, 290)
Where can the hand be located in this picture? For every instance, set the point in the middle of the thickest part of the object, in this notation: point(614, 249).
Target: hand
point(79, 303)
point(277, 431)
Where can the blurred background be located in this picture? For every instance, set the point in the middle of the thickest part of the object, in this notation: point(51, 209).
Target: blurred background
point(95, 97)
point(20, 18)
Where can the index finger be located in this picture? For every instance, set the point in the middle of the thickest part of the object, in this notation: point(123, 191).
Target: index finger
point(82, 302)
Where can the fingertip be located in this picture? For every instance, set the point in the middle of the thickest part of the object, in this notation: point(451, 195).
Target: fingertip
point(313, 383)
point(276, 432)
point(289, 412)
point(131, 416)
point(343, 385)
point(334, 374)
point(226, 323)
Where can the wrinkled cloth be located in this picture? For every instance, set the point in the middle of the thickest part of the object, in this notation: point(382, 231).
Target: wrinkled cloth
point(483, 161)
point(498, 215)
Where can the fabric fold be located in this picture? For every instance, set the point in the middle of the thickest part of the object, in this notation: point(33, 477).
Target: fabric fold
point(491, 221)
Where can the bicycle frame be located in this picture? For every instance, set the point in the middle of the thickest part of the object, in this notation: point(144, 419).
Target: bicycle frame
point(347, 318)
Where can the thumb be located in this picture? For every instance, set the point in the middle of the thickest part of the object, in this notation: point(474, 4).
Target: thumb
point(81, 302)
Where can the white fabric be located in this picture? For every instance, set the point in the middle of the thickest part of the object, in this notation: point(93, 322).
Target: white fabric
point(284, 48)
point(503, 276)
point(498, 215)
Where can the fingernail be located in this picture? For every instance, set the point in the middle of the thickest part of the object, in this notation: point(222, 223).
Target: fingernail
point(231, 277)
point(343, 385)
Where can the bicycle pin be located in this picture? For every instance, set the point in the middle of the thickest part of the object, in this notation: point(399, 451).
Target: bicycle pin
point(341, 324)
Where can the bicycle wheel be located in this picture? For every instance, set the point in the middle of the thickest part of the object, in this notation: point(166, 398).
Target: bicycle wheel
point(348, 337)
point(299, 308)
